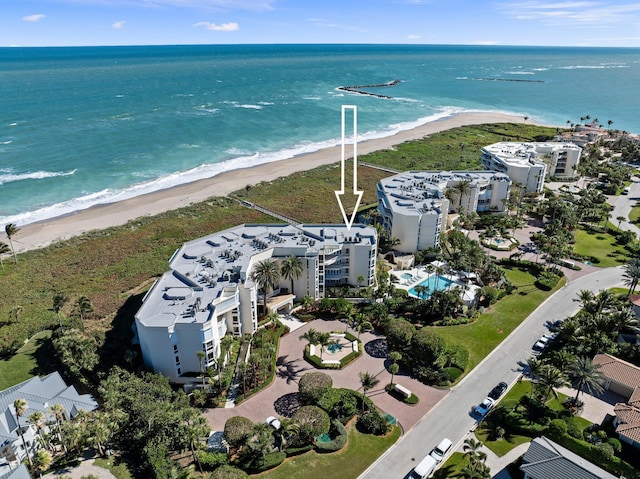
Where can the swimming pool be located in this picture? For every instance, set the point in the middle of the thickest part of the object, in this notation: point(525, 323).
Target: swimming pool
point(406, 276)
point(434, 282)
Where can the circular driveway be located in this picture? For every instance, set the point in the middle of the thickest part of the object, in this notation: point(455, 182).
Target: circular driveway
point(291, 366)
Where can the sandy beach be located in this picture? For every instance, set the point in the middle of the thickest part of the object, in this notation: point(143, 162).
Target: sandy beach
point(41, 234)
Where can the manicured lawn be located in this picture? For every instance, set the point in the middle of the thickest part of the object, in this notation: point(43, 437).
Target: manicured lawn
point(634, 214)
point(117, 469)
point(491, 328)
point(361, 451)
point(452, 466)
point(23, 365)
point(601, 246)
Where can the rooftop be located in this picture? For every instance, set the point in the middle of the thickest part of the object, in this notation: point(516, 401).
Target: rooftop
point(422, 192)
point(547, 460)
point(208, 270)
point(618, 370)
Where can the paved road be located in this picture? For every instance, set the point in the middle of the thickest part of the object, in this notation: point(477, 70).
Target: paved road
point(623, 204)
point(451, 417)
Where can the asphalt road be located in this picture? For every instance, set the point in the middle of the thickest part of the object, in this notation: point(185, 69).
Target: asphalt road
point(622, 206)
point(452, 416)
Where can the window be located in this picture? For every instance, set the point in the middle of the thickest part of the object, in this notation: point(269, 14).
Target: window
point(179, 371)
point(177, 359)
point(175, 348)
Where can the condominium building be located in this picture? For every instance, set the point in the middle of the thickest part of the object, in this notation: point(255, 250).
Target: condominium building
point(414, 205)
point(39, 394)
point(529, 163)
point(209, 292)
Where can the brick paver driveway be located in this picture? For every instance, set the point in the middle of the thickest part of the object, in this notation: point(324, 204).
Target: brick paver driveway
point(291, 366)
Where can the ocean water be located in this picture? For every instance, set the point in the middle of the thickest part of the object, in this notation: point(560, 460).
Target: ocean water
point(81, 126)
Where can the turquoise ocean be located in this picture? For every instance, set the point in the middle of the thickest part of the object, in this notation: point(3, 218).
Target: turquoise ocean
point(81, 126)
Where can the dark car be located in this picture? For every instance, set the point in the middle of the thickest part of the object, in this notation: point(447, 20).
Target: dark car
point(498, 391)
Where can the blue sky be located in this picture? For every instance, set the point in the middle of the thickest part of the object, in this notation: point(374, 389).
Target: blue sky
point(155, 22)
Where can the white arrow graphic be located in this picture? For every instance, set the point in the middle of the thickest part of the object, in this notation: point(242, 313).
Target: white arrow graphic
point(357, 193)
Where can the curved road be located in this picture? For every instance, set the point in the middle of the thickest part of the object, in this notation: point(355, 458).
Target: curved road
point(451, 416)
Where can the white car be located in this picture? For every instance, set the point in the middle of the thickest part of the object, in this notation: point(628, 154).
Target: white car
point(274, 422)
point(484, 406)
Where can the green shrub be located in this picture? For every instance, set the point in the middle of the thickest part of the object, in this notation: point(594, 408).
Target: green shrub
point(615, 444)
point(228, 472)
point(558, 427)
point(453, 373)
point(546, 281)
point(338, 442)
point(312, 386)
point(372, 422)
point(573, 429)
point(212, 460)
point(270, 461)
point(340, 403)
point(605, 451)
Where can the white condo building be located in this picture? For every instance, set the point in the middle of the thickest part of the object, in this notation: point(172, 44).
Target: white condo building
point(208, 291)
point(529, 163)
point(414, 207)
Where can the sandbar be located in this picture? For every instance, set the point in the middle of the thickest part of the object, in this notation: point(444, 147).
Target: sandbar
point(44, 233)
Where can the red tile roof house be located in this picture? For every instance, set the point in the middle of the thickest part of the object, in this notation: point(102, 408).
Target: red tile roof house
point(635, 304)
point(623, 378)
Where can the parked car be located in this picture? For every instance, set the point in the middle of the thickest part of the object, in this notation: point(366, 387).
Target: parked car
point(484, 406)
point(498, 391)
point(424, 468)
point(440, 451)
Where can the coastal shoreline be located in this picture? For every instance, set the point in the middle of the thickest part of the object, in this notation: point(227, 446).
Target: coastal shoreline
point(43, 233)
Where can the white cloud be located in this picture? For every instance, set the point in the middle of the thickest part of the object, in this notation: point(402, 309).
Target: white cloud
point(414, 37)
point(571, 12)
point(223, 27)
point(34, 18)
point(118, 25)
point(196, 4)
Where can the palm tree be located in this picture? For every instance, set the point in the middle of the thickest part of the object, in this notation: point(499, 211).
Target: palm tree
point(586, 376)
point(361, 321)
point(58, 412)
point(368, 381)
point(266, 276)
point(291, 269)
point(631, 274)
point(550, 379)
point(20, 408)
point(11, 230)
point(38, 420)
point(4, 249)
point(84, 307)
point(532, 368)
point(59, 300)
point(620, 220)
point(311, 336)
point(472, 450)
point(462, 188)
point(421, 290)
point(41, 461)
point(201, 355)
point(323, 339)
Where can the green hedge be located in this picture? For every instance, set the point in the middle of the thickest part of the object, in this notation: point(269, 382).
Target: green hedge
point(270, 461)
point(338, 442)
point(296, 451)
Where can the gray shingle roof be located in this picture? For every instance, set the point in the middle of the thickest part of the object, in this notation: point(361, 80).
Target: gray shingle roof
point(547, 460)
point(40, 393)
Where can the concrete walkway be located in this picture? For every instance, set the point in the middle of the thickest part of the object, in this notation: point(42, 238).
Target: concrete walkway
point(85, 468)
point(498, 465)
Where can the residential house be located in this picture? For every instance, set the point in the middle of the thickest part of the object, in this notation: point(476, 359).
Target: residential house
point(547, 460)
point(623, 378)
point(415, 208)
point(209, 292)
point(40, 393)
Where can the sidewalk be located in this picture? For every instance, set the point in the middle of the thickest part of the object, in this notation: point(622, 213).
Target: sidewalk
point(498, 464)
